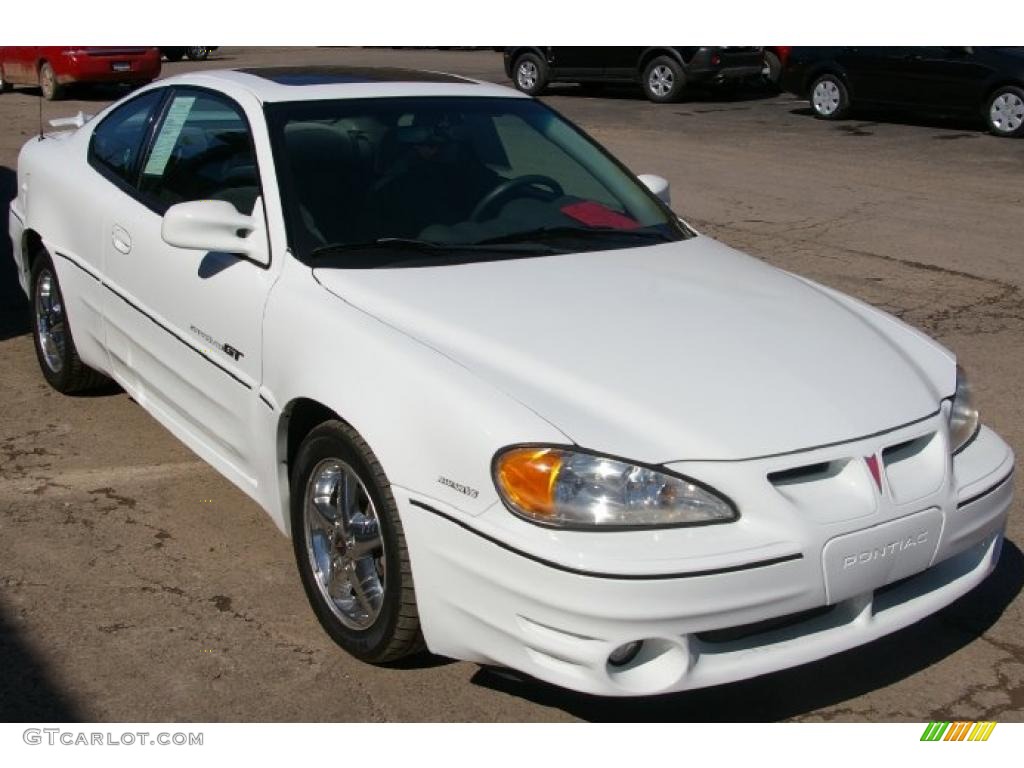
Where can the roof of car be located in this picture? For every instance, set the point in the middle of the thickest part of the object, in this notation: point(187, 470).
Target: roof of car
point(310, 83)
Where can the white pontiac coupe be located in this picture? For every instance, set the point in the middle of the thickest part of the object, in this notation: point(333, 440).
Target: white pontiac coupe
point(505, 403)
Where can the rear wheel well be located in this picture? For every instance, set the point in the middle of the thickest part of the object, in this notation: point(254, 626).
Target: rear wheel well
point(653, 53)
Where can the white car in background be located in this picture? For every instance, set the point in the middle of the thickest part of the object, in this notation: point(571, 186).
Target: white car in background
point(505, 403)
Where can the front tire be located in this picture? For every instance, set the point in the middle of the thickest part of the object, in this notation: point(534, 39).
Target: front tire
point(530, 74)
point(1004, 112)
point(52, 90)
point(55, 347)
point(829, 98)
point(197, 53)
point(664, 80)
point(350, 547)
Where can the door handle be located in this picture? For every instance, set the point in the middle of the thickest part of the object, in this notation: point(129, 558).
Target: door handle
point(121, 240)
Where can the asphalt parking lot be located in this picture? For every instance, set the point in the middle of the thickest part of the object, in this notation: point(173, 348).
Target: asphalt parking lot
point(136, 584)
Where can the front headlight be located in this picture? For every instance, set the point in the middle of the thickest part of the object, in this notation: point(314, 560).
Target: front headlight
point(963, 416)
point(566, 488)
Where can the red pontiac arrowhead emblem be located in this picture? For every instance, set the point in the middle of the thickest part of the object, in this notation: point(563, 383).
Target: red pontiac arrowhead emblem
point(876, 471)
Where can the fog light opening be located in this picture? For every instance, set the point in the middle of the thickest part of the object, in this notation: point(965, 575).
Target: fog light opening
point(625, 653)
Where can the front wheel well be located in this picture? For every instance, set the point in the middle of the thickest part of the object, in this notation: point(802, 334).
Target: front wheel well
point(515, 53)
point(990, 91)
point(31, 247)
point(824, 69)
point(301, 416)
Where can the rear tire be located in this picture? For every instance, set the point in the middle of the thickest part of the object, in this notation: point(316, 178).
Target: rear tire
point(829, 98)
point(774, 76)
point(55, 347)
point(342, 539)
point(1004, 112)
point(664, 80)
point(52, 90)
point(530, 74)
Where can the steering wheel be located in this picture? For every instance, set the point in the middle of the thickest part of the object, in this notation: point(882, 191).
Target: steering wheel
point(508, 189)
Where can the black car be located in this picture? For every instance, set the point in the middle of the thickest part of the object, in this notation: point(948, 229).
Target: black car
point(664, 73)
point(980, 82)
point(193, 52)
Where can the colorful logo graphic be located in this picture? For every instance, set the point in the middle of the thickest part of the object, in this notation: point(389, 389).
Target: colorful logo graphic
point(958, 731)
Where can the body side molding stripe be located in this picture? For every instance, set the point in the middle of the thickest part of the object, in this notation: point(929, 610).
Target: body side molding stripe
point(82, 267)
point(616, 576)
point(152, 319)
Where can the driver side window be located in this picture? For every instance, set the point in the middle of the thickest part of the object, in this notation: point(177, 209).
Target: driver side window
point(203, 150)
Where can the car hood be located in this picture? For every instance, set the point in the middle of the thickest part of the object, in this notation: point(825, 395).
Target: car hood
point(687, 350)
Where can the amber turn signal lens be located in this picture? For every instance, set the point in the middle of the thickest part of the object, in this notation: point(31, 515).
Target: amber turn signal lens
point(527, 476)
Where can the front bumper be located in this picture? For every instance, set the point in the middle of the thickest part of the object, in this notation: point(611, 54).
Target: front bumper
point(486, 600)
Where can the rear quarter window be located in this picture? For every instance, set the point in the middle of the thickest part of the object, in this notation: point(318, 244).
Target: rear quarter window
point(117, 141)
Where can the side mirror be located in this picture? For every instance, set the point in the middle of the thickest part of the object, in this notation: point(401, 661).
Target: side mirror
point(657, 185)
point(216, 225)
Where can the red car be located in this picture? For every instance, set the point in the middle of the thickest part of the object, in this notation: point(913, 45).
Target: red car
point(53, 68)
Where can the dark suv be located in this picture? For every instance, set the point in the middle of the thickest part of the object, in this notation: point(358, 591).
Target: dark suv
point(663, 73)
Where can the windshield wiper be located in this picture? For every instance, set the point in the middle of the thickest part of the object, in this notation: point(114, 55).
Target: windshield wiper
point(543, 234)
point(405, 244)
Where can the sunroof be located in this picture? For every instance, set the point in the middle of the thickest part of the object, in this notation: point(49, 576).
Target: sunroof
point(331, 75)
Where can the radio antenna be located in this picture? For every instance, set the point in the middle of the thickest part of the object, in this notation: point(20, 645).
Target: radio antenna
point(41, 136)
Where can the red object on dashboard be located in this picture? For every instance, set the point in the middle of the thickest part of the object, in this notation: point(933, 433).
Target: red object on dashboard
point(596, 215)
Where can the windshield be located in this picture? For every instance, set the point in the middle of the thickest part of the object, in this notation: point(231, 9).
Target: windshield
point(420, 181)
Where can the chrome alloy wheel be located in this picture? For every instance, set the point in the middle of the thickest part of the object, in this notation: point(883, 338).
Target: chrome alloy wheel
point(527, 74)
point(1007, 112)
point(661, 80)
point(825, 97)
point(344, 543)
point(51, 325)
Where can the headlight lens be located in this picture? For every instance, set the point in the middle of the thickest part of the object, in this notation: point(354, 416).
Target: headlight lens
point(963, 416)
point(561, 487)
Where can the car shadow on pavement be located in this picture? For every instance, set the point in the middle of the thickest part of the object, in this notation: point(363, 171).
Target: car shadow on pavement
point(14, 319)
point(624, 92)
point(28, 692)
point(965, 126)
point(795, 692)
